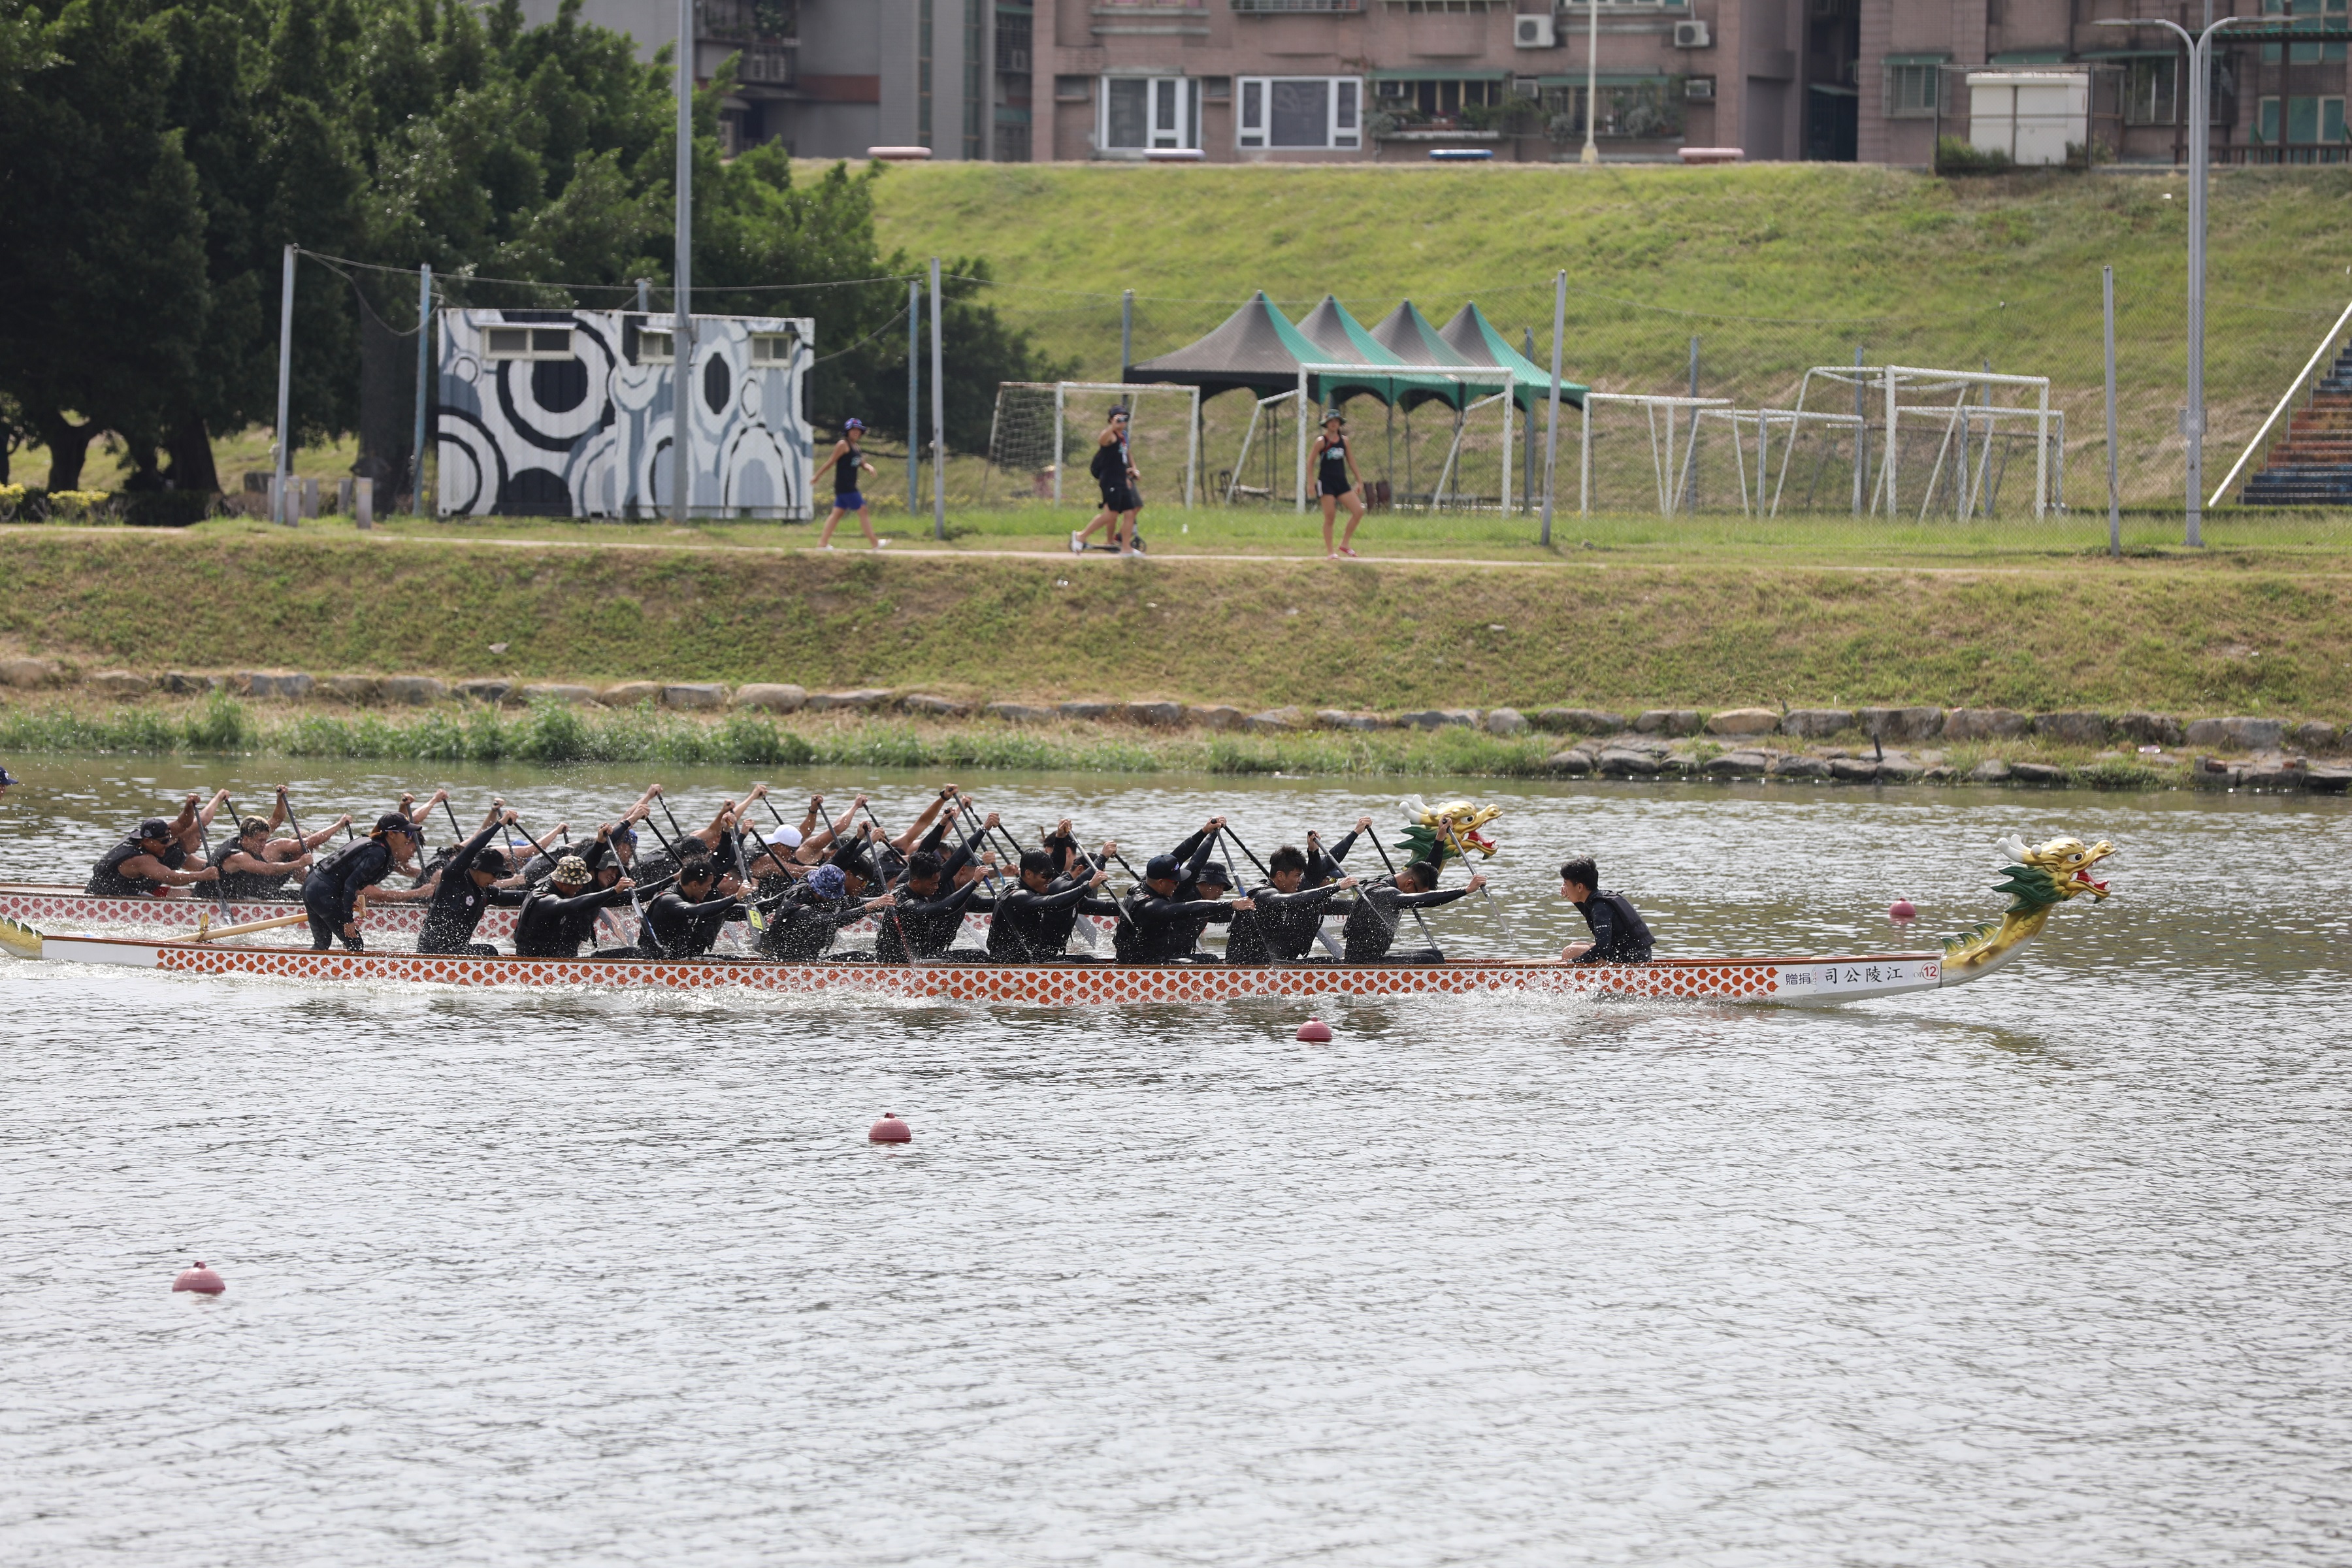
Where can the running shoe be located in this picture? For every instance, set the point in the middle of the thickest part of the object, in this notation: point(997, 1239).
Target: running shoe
point(1077, 544)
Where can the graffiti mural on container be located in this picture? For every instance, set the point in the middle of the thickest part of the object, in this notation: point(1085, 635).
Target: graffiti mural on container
point(568, 414)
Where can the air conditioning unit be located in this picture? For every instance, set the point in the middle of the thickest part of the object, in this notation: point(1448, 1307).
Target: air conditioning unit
point(1699, 89)
point(1693, 36)
point(1533, 33)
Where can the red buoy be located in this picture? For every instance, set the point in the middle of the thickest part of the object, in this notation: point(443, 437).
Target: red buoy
point(201, 1280)
point(889, 1129)
point(1901, 913)
point(1315, 1032)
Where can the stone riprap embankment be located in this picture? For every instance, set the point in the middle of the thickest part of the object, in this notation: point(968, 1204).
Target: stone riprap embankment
point(1859, 744)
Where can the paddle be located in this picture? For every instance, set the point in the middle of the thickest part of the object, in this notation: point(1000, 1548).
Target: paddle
point(834, 828)
point(1246, 850)
point(203, 933)
point(205, 839)
point(1508, 929)
point(1416, 913)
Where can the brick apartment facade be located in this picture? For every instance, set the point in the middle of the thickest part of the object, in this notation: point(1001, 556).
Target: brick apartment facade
point(1869, 80)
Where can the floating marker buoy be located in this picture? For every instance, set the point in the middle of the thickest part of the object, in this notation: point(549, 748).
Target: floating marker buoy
point(201, 1280)
point(1901, 913)
point(1315, 1032)
point(889, 1129)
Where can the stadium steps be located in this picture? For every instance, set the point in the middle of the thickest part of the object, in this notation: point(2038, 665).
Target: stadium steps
point(2313, 465)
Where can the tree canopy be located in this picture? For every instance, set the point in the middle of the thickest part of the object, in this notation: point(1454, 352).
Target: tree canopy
point(156, 156)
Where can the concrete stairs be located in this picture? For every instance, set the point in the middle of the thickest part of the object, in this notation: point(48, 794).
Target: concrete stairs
point(2313, 466)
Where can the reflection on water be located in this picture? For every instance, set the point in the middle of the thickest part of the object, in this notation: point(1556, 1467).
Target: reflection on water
point(2047, 1268)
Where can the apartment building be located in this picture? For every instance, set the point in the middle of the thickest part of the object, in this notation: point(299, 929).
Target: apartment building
point(830, 79)
point(1874, 81)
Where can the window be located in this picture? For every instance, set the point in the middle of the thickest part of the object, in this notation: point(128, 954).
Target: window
point(653, 348)
point(1300, 112)
point(1636, 110)
point(2309, 14)
point(773, 348)
point(1217, 89)
point(2151, 91)
point(1914, 88)
point(1141, 112)
point(2309, 121)
point(1435, 98)
point(526, 343)
point(1071, 88)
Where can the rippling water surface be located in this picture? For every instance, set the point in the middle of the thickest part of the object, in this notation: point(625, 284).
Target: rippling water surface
point(2049, 1269)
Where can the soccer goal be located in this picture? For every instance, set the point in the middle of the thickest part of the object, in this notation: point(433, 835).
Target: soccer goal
point(1043, 439)
point(1943, 441)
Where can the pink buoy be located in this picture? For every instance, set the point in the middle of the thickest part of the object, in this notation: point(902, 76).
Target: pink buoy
point(201, 1280)
point(889, 1129)
point(1901, 913)
point(1315, 1032)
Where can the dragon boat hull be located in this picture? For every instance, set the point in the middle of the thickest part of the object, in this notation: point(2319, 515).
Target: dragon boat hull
point(1794, 981)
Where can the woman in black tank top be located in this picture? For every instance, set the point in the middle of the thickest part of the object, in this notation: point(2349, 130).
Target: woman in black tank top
point(846, 462)
point(1337, 479)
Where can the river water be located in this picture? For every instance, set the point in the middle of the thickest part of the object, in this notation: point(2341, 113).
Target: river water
point(2046, 1269)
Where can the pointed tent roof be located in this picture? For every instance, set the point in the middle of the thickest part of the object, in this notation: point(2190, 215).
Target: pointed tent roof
point(1407, 334)
point(1340, 338)
point(1255, 348)
point(1474, 337)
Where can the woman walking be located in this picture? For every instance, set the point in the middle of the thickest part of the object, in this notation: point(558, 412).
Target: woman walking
point(1337, 479)
point(847, 460)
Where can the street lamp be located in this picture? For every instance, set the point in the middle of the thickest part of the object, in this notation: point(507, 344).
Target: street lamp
point(2200, 153)
point(1591, 77)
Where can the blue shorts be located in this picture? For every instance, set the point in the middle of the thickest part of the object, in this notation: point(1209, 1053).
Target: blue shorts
point(848, 500)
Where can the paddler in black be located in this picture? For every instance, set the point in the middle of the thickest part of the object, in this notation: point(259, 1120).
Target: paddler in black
point(685, 920)
point(1324, 865)
point(803, 921)
point(1282, 928)
point(1337, 481)
point(1158, 927)
point(1031, 921)
point(149, 862)
point(556, 919)
point(924, 915)
point(332, 891)
point(469, 888)
point(256, 865)
point(1618, 932)
point(1379, 909)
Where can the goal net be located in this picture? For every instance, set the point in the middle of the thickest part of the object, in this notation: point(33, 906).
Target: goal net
point(1043, 442)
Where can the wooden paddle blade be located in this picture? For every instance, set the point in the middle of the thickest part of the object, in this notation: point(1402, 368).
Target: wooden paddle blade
point(217, 932)
point(19, 939)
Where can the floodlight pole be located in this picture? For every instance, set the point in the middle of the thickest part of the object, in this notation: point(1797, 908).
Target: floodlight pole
point(1551, 429)
point(681, 345)
point(278, 508)
point(2201, 158)
point(424, 351)
point(1592, 79)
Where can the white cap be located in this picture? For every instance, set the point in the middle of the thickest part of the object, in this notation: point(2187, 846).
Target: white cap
point(785, 837)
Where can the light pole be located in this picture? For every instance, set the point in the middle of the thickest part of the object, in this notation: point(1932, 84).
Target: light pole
point(2200, 153)
point(681, 347)
point(1591, 77)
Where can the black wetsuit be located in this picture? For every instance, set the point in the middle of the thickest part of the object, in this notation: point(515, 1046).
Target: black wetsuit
point(921, 928)
point(801, 926)
point(332, 890)
point(108, 880)
point(1331, 474)
point(1127, 940)
point(1378, 912)
point(674, 928)
point(553, 926)
point(458, 904)
point(1029, 927)
point(1157, 930)
point(1619, 935)
point(246, 887)
point(1281, 929)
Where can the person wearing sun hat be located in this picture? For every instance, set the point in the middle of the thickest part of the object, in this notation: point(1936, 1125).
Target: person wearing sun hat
point(846, 462)
point(1336, 481)
point(556, 917)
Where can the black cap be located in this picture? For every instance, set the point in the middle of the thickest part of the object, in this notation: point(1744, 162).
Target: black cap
point(155, 827)
point(393, 821)
point(491, 860)
point(1162, 868)
point(1214, 872)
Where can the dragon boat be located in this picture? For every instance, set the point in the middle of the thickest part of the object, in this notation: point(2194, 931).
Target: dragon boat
point(2037, 881)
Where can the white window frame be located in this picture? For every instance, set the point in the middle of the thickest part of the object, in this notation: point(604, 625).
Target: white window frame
point(532, 347)
point(648, 337)
point(1176, 99)
point(774, 348)
point(1343, 130)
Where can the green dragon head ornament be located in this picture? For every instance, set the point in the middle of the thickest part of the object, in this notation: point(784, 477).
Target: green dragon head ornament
point(2037, 881)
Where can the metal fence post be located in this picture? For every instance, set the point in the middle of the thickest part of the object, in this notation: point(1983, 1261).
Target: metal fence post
point(939, 419)
point(1126, 331)
point(915, 396)
point(681, 348)
point(2114, 507)
point(278, 511)
point(424, 361)
point(1551, 430)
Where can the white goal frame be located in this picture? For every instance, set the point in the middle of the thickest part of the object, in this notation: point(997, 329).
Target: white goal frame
point(1062, 390)
point(1672, 485)
point(1889, 381)
point(1482, 376)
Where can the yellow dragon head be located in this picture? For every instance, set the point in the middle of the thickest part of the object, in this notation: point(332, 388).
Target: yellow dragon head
point(1449, 828)
point(2037, 881)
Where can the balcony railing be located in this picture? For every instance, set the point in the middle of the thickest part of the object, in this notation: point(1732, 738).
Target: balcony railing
point(769, 65)
point(1271, 8)
point(2285, 152)
point(742, 21)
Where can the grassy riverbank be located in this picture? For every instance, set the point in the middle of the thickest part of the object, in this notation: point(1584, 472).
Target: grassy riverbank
point(2208, 636)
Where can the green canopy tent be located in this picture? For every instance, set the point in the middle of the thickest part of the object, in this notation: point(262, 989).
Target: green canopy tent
point(1474, 337)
